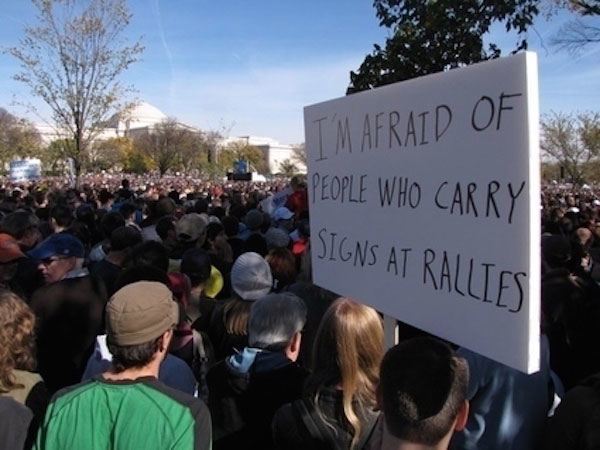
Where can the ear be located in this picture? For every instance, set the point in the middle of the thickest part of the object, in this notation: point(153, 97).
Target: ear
point(296, 340)
point(463, 415)
point(72, 263)
point(293, 349)
point(165, 341)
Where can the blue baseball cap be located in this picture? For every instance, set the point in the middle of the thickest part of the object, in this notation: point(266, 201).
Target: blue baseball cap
point(61, 244)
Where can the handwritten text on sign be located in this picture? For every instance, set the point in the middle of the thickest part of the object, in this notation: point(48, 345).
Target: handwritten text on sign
point(424, 203)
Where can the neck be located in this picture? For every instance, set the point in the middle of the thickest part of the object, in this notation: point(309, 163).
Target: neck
point(389, 442)
point(197, 290)
point(149, 370)
point(117, 258)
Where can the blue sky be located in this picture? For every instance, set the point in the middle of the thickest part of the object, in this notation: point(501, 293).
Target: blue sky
point(250, 67)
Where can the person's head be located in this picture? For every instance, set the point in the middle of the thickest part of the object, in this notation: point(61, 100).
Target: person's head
point(174, 195)
point(149, 253)
point(214, 231)
point(104, 197)
point(86, 214)
point(195, 263)
point(284, 218)
point(276, 323)
point(422, 392)
point(181, 288)
point(251, 277)
point(165, 207)
point(191, 229)
point(61, 217)
point(140, 273)
point(139, 324)
point(58, 255)
point(127, 210)
point(218, 212)
point(111, 221)
point(253, 220)
point(201, 206)
point(277, 238)
point(23, 226)
point(10, 255)
point(17, 325)
point(266, 222)
point(231, 225)
point(347, 352)
point(556, 251)
point(165, 228)
point(124, 238)
point(297, 183)
point(283, 267)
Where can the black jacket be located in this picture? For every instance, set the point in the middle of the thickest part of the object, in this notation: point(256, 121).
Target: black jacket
point(70, 315)
point(330, 429)
point(242, 401)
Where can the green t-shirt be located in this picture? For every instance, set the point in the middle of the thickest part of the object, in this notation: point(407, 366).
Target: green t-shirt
point(133, 414)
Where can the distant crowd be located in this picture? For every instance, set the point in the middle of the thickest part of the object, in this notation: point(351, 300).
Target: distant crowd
point(155, 313)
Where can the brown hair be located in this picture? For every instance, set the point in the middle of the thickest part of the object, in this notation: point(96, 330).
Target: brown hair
point(283, 266)
point(236, 313)
point(131, 356)
point(347, 352)
point(17, 339)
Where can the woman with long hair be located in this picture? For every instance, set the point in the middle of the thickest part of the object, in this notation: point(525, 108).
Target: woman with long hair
point(337, 411)
point(251, 279)
point(17, 357)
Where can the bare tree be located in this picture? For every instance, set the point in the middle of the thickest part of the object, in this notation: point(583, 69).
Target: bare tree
point(167, 144)
point(287, 168)
point(577, 34)
point(72, 59)
point(299, 156)
point(572, 141)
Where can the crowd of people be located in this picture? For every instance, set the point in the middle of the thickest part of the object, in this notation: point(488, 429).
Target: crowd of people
point(179, 313)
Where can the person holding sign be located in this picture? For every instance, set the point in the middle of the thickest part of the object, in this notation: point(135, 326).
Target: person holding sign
point(508, 408)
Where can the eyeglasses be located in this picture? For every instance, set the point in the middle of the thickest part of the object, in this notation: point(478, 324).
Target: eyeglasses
point(49, 261)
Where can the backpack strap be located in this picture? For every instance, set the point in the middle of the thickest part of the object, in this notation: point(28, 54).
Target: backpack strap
point(317, 430)
point(319, 433)
point(305, 415)
point(199, 350)
point(368, 431)
point(200, 364)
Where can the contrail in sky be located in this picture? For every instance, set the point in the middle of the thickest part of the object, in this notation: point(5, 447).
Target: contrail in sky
point(161, 32)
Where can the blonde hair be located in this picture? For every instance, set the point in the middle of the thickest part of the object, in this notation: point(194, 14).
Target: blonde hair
point(17, 339)
point(347, 352)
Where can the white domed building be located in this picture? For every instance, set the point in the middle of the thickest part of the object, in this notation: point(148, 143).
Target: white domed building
point(142, 115)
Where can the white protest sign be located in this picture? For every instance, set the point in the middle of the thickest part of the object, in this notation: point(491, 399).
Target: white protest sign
point(25, 169)
point(425, 203)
